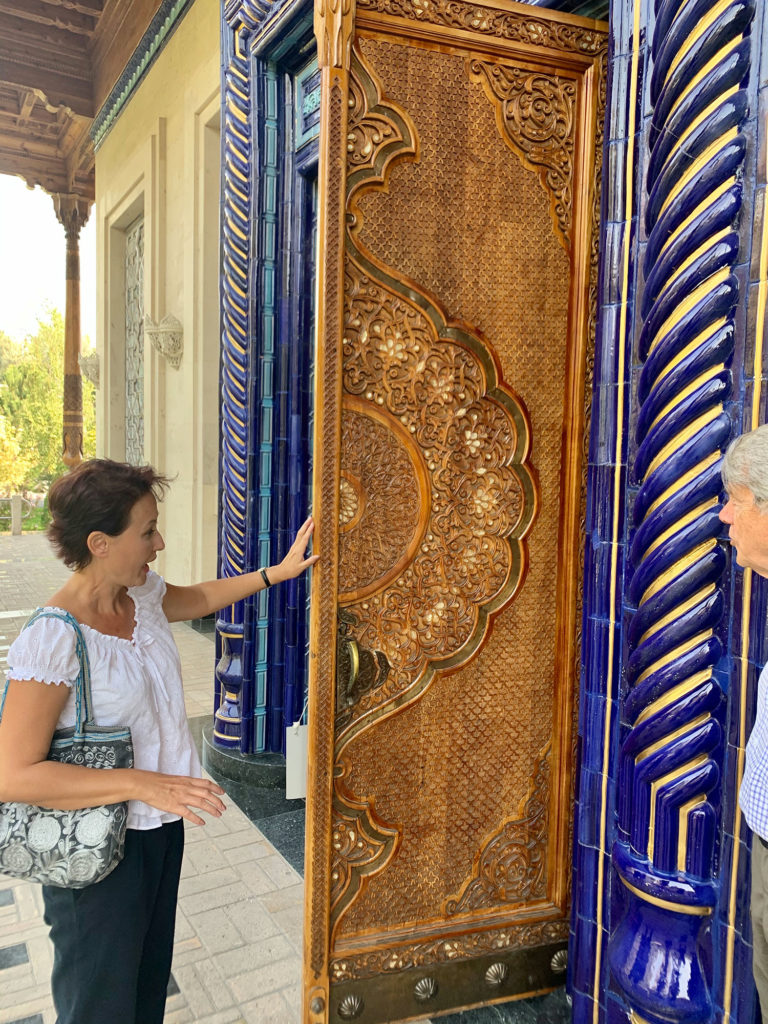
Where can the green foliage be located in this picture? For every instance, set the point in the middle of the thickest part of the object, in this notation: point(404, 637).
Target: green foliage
point(37, 519)
point(31, 408)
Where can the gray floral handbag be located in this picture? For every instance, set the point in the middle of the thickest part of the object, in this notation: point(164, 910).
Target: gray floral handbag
point(70, 849)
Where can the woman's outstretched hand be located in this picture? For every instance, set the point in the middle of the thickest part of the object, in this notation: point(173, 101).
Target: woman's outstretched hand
point(296, 561)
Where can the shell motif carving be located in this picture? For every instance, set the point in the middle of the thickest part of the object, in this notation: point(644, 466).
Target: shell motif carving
point(512, 866)
point(425, 989)
point(535, 114)
point(559, 962)
point(497, 974)
point(350, 1007)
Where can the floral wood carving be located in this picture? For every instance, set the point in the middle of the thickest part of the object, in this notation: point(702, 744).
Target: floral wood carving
point(444, 950)
point(361, 845)
point(517, 27)
point(512, 866)
point(382, 517)
point(479, 492)
point(433, 387)
point(535, 116)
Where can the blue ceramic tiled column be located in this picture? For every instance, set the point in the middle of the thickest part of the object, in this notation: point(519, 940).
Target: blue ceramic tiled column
point(239, 21)
point(266, 363)
point(605, 549)
point(660, 740)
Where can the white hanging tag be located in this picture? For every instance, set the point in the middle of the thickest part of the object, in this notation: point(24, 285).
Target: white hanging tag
point(296, 738)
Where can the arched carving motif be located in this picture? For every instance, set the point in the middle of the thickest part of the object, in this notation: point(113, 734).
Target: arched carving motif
point(437, 383)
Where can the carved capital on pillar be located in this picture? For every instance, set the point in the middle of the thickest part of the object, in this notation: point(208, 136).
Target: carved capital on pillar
point(72, 212)
point(334, 22)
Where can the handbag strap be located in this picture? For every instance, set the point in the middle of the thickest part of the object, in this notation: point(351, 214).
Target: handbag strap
point(83, 700)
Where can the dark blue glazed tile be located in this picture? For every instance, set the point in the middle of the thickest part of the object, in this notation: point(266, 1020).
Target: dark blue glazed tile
point(613, 262)
point(600, 498)
point(591, 731)
point(590, 805)
point(583, 1005)
point(606, 425)
point(596, 658)
point(618, 91)
point(742, 883)
point(581, 958)
point(615, 174)
point(744, 1005)
point(616, 1010)
point(6, 897)
point(608, 345)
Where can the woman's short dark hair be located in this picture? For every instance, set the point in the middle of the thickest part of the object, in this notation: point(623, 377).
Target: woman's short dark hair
point(97, 495)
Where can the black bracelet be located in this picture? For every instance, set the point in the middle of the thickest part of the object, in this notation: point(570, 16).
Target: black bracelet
point(267, 581)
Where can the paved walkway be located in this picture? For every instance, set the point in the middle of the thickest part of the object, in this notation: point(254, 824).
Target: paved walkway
point(237, 957)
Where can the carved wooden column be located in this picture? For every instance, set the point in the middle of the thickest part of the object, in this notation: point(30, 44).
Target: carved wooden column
point(72, 211)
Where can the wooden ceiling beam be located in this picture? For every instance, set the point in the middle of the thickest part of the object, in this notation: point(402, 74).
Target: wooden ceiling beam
point(33, 40)
point(48, 169)
point(59, 90)
point(91, 7)
point(27, 101)
point(35, 169)
point(46, 14)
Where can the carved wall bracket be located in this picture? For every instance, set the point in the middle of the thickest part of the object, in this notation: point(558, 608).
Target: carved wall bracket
point(90, 367)
point(167, 337)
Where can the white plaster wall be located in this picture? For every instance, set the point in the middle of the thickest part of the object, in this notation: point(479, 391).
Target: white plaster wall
point(161, 158)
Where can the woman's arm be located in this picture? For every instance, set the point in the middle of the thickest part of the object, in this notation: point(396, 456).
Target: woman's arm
point(201, 599)
point(29, 719)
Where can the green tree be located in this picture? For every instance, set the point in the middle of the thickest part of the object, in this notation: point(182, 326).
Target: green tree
point(31, 400)
point(9, 352)
point(14, 461)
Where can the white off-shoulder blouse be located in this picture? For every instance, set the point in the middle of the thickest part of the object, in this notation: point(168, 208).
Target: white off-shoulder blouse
point(134, 682)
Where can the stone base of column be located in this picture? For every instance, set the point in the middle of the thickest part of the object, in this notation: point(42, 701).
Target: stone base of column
point(256, 782)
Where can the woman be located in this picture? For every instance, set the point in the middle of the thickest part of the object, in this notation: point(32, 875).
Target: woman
point(113, 940)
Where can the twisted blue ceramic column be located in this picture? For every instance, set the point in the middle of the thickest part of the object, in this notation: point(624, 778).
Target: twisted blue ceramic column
point(671, 757)
point(240, 19)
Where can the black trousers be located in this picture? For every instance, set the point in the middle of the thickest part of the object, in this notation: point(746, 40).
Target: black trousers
point(113, 941)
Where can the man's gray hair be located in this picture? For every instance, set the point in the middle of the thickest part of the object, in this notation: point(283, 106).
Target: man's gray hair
point(745, 464)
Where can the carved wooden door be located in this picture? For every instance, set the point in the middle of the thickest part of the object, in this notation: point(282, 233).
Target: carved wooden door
point(459, 172)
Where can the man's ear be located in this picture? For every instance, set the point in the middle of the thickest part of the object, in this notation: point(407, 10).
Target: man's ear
point(98, 544)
